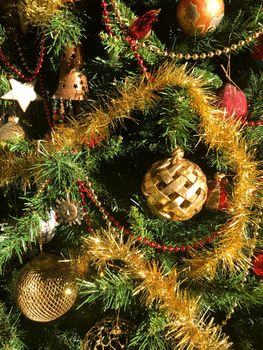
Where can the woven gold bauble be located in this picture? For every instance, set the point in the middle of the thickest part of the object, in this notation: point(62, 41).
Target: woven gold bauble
point(175, 188)
point(109, 334)
point(11, 131)
point(45, 288)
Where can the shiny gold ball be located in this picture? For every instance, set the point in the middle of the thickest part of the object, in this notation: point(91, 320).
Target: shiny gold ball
point(199, 16)
point(11, 131)
point(175, 188)
point(45, 288)
point(109, 334)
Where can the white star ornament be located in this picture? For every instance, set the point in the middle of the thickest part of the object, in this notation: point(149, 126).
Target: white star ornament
point(23, 93)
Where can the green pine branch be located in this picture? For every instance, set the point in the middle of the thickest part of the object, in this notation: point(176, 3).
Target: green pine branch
point(150, 333)
point(10, 334)
point(115, 291)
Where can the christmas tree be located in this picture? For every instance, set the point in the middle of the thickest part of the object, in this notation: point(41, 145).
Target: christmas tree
point(131, 177)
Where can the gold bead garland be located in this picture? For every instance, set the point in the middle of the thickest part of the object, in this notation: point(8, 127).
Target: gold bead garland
point(195, 56)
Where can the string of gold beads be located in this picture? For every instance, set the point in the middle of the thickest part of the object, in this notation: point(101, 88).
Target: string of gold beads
point(179, 56)
point(210, 54)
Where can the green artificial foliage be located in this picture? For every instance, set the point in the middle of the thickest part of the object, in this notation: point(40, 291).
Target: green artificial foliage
point(113, 171)
point(11, 336)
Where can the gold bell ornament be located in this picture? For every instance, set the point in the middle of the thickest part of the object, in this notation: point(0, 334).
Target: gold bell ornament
point(45, 288)
point(11, 131)
point(73, 85)
point(175, 188)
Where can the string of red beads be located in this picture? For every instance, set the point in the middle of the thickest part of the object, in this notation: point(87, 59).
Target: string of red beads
point(17, 71)
point(88, 223)
point(44, 94)
point(252, 123)
point(132, 42)
point(85, 189)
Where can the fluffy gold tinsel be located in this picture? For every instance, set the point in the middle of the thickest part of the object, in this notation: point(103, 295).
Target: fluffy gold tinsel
point(39, 12)
point(217, 132)
point(188, 327)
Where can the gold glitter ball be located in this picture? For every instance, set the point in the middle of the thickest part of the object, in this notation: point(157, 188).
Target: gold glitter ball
point(175, 188)
point(45, 289)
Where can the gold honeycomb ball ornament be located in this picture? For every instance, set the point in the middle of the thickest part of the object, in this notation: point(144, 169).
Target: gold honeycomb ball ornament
point(108, 334)
point(45, 288)
point(10, 132)
point(176, 188)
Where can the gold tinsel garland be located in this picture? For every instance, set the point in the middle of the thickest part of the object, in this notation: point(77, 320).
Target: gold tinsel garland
point(217, 132)
point(39, 12)
point(188, 327)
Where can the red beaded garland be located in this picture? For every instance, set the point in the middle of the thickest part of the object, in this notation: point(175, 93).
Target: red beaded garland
point(131, 41)
point(83, 188)
point(18, 72)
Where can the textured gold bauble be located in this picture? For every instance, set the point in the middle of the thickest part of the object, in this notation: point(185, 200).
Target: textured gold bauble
point(109, 334)
point(199, 16)
point(11, 131)
point(45, 289)
point(175, 188)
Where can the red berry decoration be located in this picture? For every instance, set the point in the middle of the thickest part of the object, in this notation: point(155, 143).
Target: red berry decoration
point(142, 26)
point(217, 197)
point(233, 101)
point(258, 265)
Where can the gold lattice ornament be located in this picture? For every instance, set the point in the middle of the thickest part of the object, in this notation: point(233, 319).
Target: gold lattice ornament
point(45, 288)
point(108, 334)
point(68, 212)
point(175, 188)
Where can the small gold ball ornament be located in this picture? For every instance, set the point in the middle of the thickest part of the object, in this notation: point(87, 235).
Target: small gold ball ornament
point(176, 188)
point(10, 132)
point(45, 288)
point(199, 16)
point(108, 334)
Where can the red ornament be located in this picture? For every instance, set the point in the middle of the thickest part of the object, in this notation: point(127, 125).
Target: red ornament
point(233, 101)
point(142, 26)
point(199, 16)
point(258, 265)
point(217, 197)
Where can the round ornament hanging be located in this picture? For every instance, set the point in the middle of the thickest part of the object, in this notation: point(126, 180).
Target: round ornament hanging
point(233, 101)
point(47, 228)
point(199, 16)
point(175, 188)
point(45, 288)
point(258, 265)
point(108, 334)
point(217, 197)
point(11, 131)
